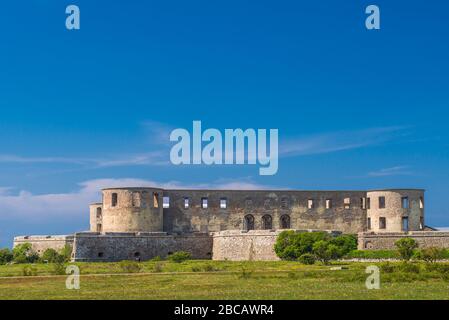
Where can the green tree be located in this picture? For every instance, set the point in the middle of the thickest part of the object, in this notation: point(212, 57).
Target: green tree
point(24, 253)
point(52, 256)
point(431, 255)
point(5, 256)
point(179, 256)
point(406, 248)
point(66, 253)
point(325, 251)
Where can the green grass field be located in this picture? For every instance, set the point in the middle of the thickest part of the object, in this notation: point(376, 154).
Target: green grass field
point(197, 280)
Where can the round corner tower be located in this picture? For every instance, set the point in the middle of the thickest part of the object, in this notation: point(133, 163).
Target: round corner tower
point(393, 210)
point(132, 210)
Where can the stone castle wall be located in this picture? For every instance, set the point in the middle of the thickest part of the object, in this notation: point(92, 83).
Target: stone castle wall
point(257, 245)
point(41, 243)
point(276, 204)
point(382, 241)
point(90, 246)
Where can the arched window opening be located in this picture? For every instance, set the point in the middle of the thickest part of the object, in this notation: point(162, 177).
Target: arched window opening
point(249, 222)
point(285, 222)
point(267, 222)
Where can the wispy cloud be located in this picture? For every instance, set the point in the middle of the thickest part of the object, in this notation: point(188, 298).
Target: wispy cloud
point(339, 141)
point(392, 171)
point(41, 207)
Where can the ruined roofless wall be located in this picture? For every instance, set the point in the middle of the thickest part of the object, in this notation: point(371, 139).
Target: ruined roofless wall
point(131, 210)
point(275, 204)
point(41, 243)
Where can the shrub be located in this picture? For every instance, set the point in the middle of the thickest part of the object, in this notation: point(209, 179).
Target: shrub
point(406, 248)
point(29, 271)
point(409, 267)
point(6, 256)
point(431, 255)
point(158, 267)
point(325, 251)
point(66, 253)
point(130, 266)
point(307, 258)
point(387, 267)
point(157, 258)
point(345, 243)
point(372, 254)
point(179, 256)
point(59, 268)
point(52, 256)
point(24, 253)
point(291, 245)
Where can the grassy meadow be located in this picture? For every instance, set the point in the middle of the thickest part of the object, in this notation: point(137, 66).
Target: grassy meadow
point(224, 280)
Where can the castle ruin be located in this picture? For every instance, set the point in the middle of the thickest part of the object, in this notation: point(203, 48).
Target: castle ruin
point(142, 223)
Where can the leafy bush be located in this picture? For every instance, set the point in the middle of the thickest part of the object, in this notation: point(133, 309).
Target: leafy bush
point(29, 271)
point(345, 243)
point(406, 248)
point(59, 268)
point(291, 245)
point(6, 256)
point(431, 255)
point(372, 254)
point(409, 267)
point(179, 256)
point(307, 258)
point(387, 267)
point(66, 253)
point(24, 253)
point(130, 266)
point(158, 267)
point(52, 256)
point(325, 251)
point(157, 258)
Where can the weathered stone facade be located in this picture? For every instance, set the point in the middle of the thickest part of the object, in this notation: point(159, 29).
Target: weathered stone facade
point(257, 245)
point(41, 243)
point(387, 240)
point(141, 223)
point(90, 246)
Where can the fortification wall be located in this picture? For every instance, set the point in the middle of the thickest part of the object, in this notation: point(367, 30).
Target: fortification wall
point(386, 240)
point(90, 246)
point(257, 245)
point(349, 218)
point(42, 243)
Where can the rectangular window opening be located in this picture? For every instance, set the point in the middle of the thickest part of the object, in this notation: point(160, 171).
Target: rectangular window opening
point(405, 203)
point(166, 202)
point(223, 203)
point(347, 203)
point(381, 202)
point(328, 203)
point(310, 204)
point(382, 223)
point(405, 224)
point(204, 203)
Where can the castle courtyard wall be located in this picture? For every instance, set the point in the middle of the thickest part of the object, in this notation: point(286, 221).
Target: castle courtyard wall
point(383, 241)
point(91, 246)
point(41, 243)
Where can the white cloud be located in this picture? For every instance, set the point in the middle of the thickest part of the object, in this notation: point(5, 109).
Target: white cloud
point(339, 141)
point(26, 205)
point(392, 171)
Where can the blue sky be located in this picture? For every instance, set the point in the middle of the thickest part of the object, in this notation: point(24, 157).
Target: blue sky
point(79, 110)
